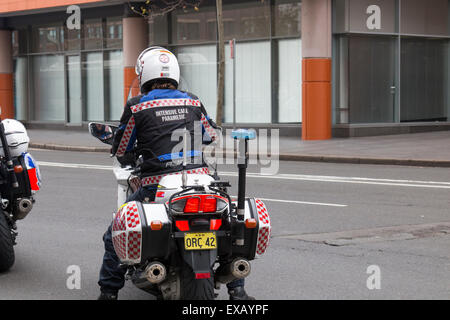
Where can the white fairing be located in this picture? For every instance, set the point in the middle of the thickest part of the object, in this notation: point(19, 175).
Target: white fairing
point(121, 175)
point(156, 211)
point(172, 184)
point(175, 181)
point(168, 185)
point(16, 136)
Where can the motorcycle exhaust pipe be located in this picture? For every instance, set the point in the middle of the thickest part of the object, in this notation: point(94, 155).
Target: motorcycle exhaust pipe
point(155, 272)
point(24, 207)
point(239, 268)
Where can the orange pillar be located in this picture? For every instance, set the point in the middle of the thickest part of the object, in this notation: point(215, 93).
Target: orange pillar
point(6, 75)
point(316, 69)
point(135, 40)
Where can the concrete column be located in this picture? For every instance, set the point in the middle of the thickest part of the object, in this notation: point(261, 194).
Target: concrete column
point(6, 75)
point(316, 69)
point(135, 40)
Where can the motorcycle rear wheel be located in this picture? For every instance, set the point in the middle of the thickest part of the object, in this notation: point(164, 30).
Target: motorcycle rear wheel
point(195, 289)
point(6, 244)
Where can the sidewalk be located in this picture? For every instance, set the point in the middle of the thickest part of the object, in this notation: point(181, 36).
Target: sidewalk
point(418, 149)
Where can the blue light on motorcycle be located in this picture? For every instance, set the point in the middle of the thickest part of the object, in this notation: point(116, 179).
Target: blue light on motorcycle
point(243, 134)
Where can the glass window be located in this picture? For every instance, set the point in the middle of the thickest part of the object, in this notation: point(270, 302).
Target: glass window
point(114, 84)
point(287, 18)
point(15, 43)
point(74, 88)
point(21, 88)
point(194, 26)
point(114, 33)
point(93, 80)
point(48, 39)
point(425, 17)
point(290, 80)
point(340, 77)
point(48, 88)
point(158, 31)
point(198, 68)
point(253, 83)
point(73, 39)
point(424, 79)
point(22, 41)
point(93, 34)
point(247, 20)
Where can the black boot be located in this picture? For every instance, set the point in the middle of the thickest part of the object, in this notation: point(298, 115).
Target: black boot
point(107, 296)
point(239, 293)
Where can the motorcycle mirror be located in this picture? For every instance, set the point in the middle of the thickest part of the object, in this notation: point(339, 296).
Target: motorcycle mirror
point(103, 132)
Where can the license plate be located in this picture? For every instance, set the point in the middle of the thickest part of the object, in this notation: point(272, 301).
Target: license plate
point(200, 241)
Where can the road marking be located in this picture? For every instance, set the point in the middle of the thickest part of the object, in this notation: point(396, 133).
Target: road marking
point(354, 180)
point(109, 168)
point(74, 165)
point(295, 177)
point(306, 202)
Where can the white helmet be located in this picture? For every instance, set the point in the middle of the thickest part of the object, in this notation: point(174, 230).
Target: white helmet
point(157, 63)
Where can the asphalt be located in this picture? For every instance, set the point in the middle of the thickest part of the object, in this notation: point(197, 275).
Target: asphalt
point(429, 149)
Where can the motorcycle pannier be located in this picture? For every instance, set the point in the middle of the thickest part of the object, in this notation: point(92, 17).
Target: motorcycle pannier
point(132, 235)
point(256, 240)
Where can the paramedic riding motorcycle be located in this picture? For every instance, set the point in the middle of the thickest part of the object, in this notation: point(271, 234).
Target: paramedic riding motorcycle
point(144, 122)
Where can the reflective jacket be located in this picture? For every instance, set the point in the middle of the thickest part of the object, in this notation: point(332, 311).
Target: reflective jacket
point(155, 121)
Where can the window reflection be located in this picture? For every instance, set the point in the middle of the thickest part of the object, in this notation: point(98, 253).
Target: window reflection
point(73, 39)
point(247, 20)
point(158, 30)
point(114, 33)
point(74, 89)
point(48, 39)
point(93, 34)
point(15, 43)
point(113, 84)
point(193, 27)
point(48, 87)
point(21, 88)
point(244, 21)
point(93, 78)
point(287, 18)
point(198, 68)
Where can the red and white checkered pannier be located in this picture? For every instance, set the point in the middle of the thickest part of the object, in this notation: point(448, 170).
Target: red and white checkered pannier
point(133, 239)
point(127, 233)
point(264, 227)
point(256, 241)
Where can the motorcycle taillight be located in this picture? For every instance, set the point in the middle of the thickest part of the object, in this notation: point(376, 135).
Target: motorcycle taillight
point(192, 205)
point(209, 204)
point(199, 203)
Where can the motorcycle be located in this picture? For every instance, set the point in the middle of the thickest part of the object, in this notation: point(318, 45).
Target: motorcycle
point(193, 236)
point(20, 179)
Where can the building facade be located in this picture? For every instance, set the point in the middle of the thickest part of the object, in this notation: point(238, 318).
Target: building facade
point(314, 68)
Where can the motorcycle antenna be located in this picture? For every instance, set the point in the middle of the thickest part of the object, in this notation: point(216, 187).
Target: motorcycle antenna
point(215, 176)
point(243, 136)
point(216, 144)
point(184, 174)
